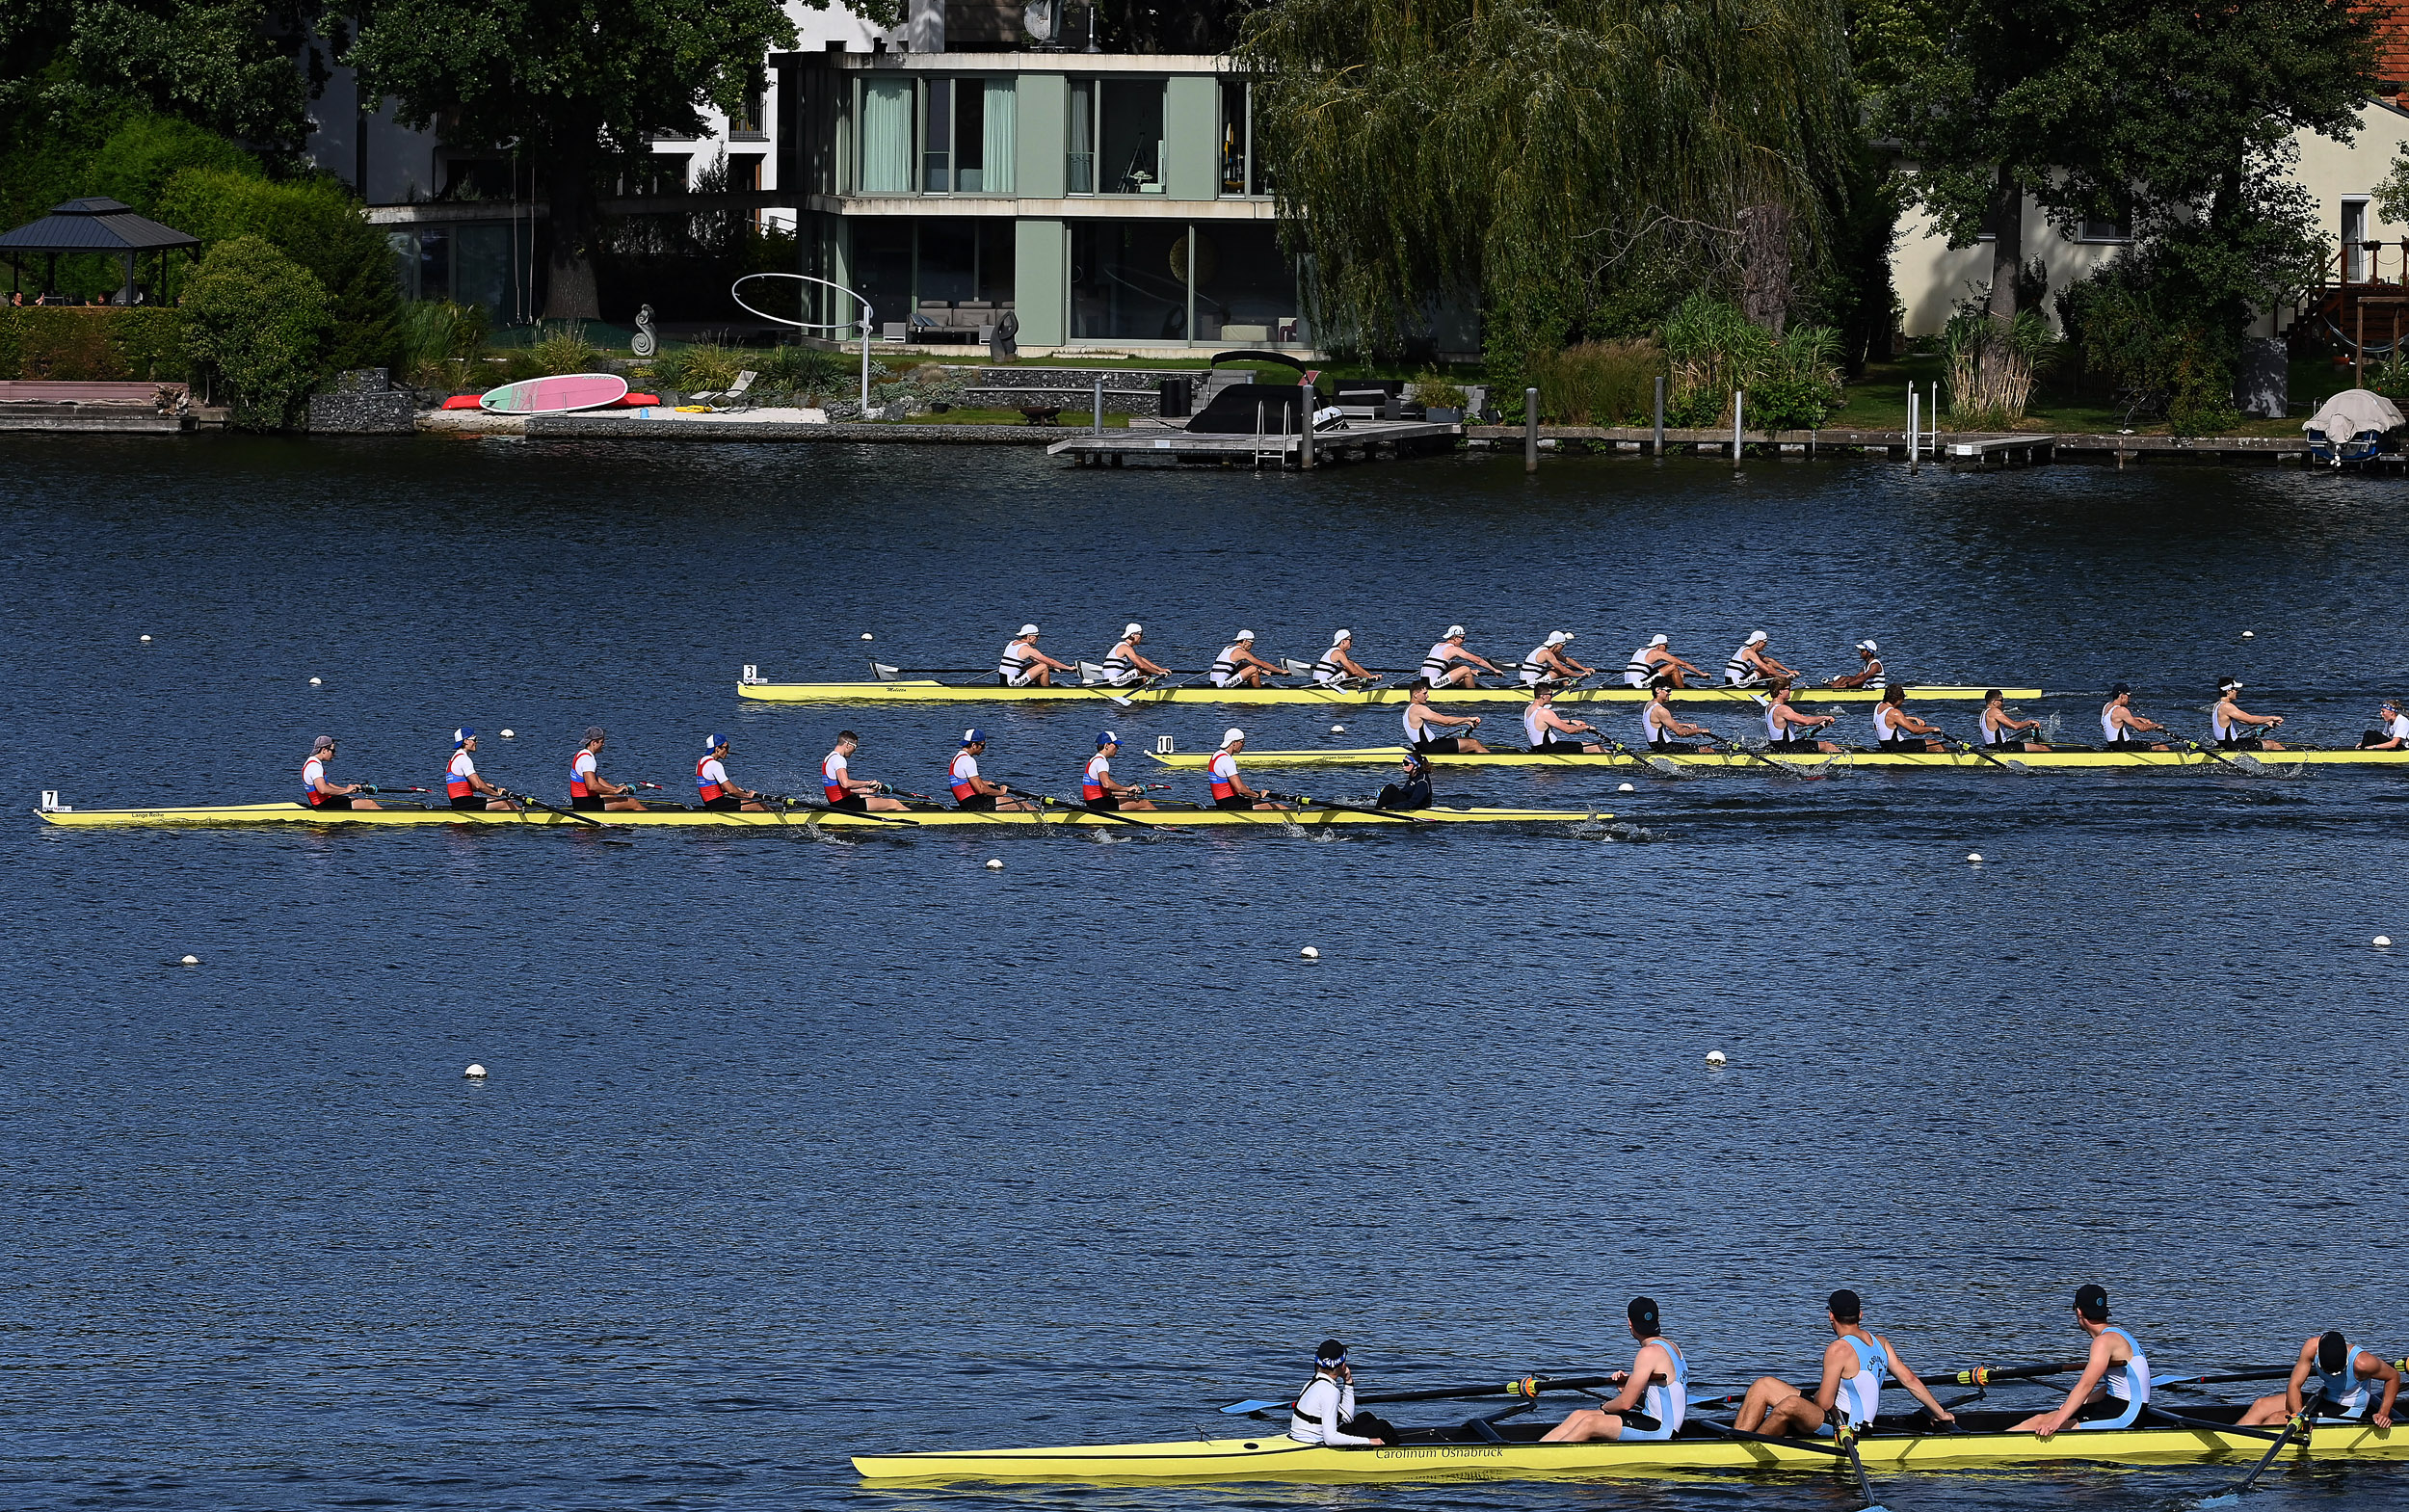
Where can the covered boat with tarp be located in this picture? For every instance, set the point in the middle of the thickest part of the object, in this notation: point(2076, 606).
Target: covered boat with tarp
point(2352, 427)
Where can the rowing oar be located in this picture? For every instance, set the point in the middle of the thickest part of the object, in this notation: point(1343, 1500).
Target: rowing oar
point(784, 801)
point(1843, 1447)
point(371, 787)
point(566, 813)
point(1662, 765)
point(2195, 1382)
point(1052, 802)
point(1324, 803)
point(2212, 754)
point(1985, 1374)
point(1527, 1386)
point(1974, 749)
point(2301, 1424)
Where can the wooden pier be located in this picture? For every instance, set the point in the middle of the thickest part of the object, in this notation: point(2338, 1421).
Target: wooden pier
point(1360, 440)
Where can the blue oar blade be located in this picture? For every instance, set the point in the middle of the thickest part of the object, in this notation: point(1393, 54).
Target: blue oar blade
point(1241, 1409)
point(2227, 1500)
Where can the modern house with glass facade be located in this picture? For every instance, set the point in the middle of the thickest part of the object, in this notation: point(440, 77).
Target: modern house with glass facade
point(1106, 200)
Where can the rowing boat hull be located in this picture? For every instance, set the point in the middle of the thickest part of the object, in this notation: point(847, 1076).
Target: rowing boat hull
point(1058, 818)
point(1383, 756)
point(1280, 1459)
point(931, 692)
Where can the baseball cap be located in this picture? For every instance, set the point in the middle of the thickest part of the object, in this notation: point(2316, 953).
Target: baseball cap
point(973, 735)
point(1244, 635)
point(1557, 637)
point(2091, 1301)
point(594, 732)
point(1341, 635)
point(1754, 636)
point(1028, 630)
point(1133, 628)
point(713, 742)
point(1453, 631)
point(1232, 736)
point(463, 735)
point(1107, 738)
point(1661, 640)
point(1867, 645)
point(321, 743)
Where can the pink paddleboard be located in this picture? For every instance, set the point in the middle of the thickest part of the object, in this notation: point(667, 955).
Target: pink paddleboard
point(556, 395)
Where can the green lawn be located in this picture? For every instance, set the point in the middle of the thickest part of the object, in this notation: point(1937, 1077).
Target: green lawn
point(1877, 401)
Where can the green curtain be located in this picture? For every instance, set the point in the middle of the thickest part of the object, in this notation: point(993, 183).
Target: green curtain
point(887, 136)
point(1002, 134)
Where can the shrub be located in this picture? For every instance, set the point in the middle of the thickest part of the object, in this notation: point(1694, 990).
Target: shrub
point(92, 345)
point(809, 372)
point(561, 347)
point(1433, 392)
point(1997, 401)
point(1599, 382)
point(141, 156)
point(316, 222)
point(438, 341)
point(701, 368)
point(1792, 380)
point(257, 324)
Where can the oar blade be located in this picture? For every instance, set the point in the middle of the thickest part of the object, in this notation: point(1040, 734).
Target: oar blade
point(2223, 1498)
point(1242, 1409)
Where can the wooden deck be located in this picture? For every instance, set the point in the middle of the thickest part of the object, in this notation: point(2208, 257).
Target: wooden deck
point(1362, 441)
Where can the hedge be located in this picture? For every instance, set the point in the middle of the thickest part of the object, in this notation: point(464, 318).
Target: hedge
point(82, 343)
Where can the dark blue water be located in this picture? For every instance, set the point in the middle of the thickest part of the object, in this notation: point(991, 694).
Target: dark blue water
point(795, 1149)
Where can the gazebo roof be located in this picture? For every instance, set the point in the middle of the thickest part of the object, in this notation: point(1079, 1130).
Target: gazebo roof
point(94, 225)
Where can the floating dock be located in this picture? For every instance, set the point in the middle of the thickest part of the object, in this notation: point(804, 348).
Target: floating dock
point(1359, 440)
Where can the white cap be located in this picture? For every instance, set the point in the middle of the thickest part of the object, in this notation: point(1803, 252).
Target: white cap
point(1245, 635)
point(1133, 628)
point(1867, 645)
point(1453, 631)
point(1661, 640)
point(1028, 630)
point(1557, 637)
point(1342, 636)
point(1231, 737)
point(1754, 636)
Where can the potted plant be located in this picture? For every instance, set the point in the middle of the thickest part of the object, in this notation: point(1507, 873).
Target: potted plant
point(1441, 402)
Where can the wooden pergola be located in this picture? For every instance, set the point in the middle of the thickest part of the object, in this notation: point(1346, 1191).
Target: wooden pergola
point(101, 225)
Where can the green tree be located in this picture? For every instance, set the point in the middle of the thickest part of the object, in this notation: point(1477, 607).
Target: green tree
point(2177, 120)
point(244, 68)
point(137, 160)
point(317, 223)
point(257, 324)
point(567, 83)
point(1552, 157)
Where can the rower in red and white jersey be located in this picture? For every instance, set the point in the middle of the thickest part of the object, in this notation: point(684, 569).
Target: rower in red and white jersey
point(589, 791)
point(1229, 789)
point(846, 791)
point(462, 783)
point(713, 785)
point(1098, 786)
point(977, 792)
point(319, 790)
point(1448, 665)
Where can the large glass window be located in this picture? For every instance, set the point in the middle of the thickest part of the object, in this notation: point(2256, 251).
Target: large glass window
point(882, 267)
point(1079, 153)
point(949, 267)
point(997, 250)
point(887, 108)
point(1245, 288)
point(1127, 281)
point(1242, 172)
point(1129, 136)
point(936, 135)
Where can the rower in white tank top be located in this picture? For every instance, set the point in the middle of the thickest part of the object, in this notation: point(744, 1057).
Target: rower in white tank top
point(2231, 725)
point(2120, 727)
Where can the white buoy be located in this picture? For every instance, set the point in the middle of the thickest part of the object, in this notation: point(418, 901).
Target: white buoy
point(474, 1073)
point(1715, 1057)
point(509, 735)
point(313, 682)
point(1338, 730)
point(196, 960)
point(1625, 788)
point(1309, 953)
point(867, 636)
point(2249, 635)
point(1975, 857)
point(2382, 942)
point(146, 640)
point(994, 863)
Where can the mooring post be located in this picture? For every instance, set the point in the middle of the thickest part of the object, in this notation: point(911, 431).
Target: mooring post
point(1307, 397)
point(1913, 433)
point(1658, 448)
point(1530, 430)
point(1096, 410)
point(1740, 399)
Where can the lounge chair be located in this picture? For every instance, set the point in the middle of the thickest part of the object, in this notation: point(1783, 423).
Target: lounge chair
point(731, 397)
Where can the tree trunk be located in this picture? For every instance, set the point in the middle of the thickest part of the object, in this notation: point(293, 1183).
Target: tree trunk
point(2007, 260)
point(569, 198)
point(1765, 265)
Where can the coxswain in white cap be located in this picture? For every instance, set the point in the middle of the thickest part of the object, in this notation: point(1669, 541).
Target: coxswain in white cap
point(1448, 665)
point(1024, 666)
point(1125, 664)
point(844, 791)
point(1238, 667)
point(1229, 789)
point(1655, 660)
point(1868, 672)
point(1338, 667)
point(1423, 724)
point(2235, 728)
point(1552, 665)
point(320, 792)
point(589, 791)
point(1751, 667)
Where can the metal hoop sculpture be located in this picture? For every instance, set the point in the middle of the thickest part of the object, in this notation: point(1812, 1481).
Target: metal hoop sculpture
point(867, 310)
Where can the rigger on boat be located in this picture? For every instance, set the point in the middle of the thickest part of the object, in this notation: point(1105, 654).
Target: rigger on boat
point(1658, 1420)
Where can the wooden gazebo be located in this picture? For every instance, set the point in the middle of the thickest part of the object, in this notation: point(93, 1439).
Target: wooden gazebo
point(96, 225)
